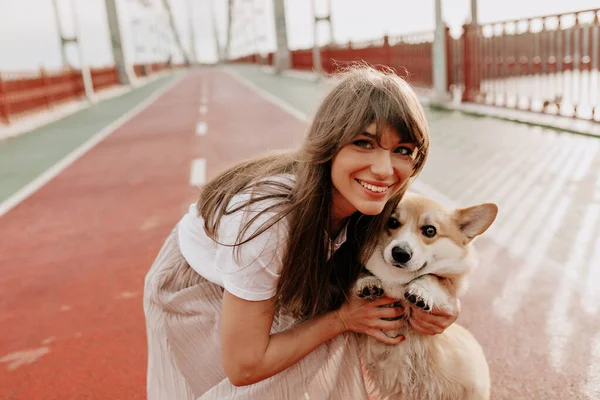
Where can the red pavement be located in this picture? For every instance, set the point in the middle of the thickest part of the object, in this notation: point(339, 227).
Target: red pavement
point(73, 258)
point(75, 253)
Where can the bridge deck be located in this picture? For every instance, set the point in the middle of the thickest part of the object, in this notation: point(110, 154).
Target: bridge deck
point(74, 252)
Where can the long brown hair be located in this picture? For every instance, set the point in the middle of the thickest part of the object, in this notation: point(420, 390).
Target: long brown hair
point(310, 284)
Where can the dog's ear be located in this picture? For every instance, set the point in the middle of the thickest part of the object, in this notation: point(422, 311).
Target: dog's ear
point(475, 220)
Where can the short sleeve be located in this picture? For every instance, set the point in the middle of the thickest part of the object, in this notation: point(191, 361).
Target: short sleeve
point(251, 271)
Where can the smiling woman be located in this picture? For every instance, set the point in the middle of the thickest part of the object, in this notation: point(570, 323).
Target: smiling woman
point(250, 295)
point(367, 172)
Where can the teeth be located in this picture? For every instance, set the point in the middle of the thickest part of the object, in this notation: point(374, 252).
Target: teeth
point(372, 188)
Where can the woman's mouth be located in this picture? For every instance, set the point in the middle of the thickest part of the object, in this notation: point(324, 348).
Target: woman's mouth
point(373, 188)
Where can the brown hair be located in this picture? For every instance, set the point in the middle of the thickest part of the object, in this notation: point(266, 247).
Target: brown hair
point(310, 284)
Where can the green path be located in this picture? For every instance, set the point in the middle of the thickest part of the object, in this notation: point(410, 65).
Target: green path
point(25, 157)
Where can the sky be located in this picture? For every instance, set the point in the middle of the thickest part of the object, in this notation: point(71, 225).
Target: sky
point(29, 38)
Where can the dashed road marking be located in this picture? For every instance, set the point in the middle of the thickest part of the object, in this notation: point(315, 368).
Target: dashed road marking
point(198, 172)
point(201, 128)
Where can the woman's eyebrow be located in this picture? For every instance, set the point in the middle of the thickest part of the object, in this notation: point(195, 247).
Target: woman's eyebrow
point(400, 140)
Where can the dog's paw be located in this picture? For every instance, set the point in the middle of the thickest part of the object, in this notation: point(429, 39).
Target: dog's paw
point(426, 292)
point(369, 287)
point(417, 300)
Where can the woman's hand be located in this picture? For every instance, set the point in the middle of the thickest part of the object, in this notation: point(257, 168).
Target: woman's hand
point(364, 316)
point(435, 321)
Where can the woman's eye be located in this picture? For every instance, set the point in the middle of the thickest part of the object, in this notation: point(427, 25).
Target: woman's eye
point(393, 223)
point(403, 150)
point(429, 231)
point(363, 144)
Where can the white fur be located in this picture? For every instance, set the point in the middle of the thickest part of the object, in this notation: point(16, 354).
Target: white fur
point(450, 365)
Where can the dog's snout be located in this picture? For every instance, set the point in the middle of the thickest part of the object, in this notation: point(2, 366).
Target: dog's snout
point(400, 254)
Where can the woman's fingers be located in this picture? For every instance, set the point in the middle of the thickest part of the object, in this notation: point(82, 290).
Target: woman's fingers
point(382, 301)
point(424, 327)
point(388, 312)
point(383, 338)
point(390, 325)
point(441, 319)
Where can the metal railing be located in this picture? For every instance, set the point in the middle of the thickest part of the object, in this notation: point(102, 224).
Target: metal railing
point(547, 64)
point(24, 93)
point(410, 55)
point(544, 64)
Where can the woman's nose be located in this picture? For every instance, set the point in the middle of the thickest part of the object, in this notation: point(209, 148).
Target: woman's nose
point(381, 165)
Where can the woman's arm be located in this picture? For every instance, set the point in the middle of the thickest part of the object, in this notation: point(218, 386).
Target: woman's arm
point(250, 353)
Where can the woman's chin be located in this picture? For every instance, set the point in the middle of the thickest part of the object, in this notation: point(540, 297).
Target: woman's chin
point(371, 209)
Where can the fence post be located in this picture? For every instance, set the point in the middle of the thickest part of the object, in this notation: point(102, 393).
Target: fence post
point(470, 79)
point(4, 108)
point(449, 60)
point(387, 52)
point(46, 88)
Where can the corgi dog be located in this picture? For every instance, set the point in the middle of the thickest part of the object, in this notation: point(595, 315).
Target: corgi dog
point(424, 242)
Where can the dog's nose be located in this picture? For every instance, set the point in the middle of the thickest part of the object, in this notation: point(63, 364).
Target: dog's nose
point(400, 254)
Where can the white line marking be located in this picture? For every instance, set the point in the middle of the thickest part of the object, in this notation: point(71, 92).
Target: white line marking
point(203, 109)
point(198, 173)
point(69, 159)
point(268, 96)
point(201, 128)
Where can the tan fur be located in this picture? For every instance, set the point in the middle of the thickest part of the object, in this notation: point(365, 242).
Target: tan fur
point(450, 365)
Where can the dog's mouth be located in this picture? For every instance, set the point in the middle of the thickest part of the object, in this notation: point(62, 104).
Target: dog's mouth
point(403, 266)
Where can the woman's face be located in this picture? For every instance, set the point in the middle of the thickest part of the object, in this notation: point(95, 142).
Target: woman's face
point(365, 175)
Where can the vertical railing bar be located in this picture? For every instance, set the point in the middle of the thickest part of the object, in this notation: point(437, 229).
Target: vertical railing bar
point(574, 73)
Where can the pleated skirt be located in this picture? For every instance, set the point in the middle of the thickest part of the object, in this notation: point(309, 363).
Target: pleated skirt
point(182, 311)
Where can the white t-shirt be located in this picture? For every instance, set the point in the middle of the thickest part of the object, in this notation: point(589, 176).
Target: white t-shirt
point(255, 273)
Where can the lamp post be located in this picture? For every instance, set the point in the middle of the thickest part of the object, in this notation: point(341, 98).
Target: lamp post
point(440, 78)
point(86, 75)
point(282, 54)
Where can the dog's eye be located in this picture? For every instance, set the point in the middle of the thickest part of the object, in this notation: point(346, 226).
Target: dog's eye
point(393, 223)
point(429, 231)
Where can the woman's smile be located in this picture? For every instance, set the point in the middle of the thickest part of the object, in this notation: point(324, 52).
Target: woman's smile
point(376, 190)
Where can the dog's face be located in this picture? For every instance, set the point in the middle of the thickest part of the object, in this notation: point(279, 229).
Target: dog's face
point(423, 237)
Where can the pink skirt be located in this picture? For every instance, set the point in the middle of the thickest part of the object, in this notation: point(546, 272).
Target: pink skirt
point(182, 312)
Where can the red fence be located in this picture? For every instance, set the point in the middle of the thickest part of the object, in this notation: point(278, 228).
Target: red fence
point(25, 93)
point(548, 64)
point(545, 64)
point(409, 55)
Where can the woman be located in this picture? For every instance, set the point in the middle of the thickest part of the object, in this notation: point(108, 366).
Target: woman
point(249, 297)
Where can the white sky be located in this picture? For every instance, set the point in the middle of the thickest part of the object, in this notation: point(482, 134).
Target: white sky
point(29, 40)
